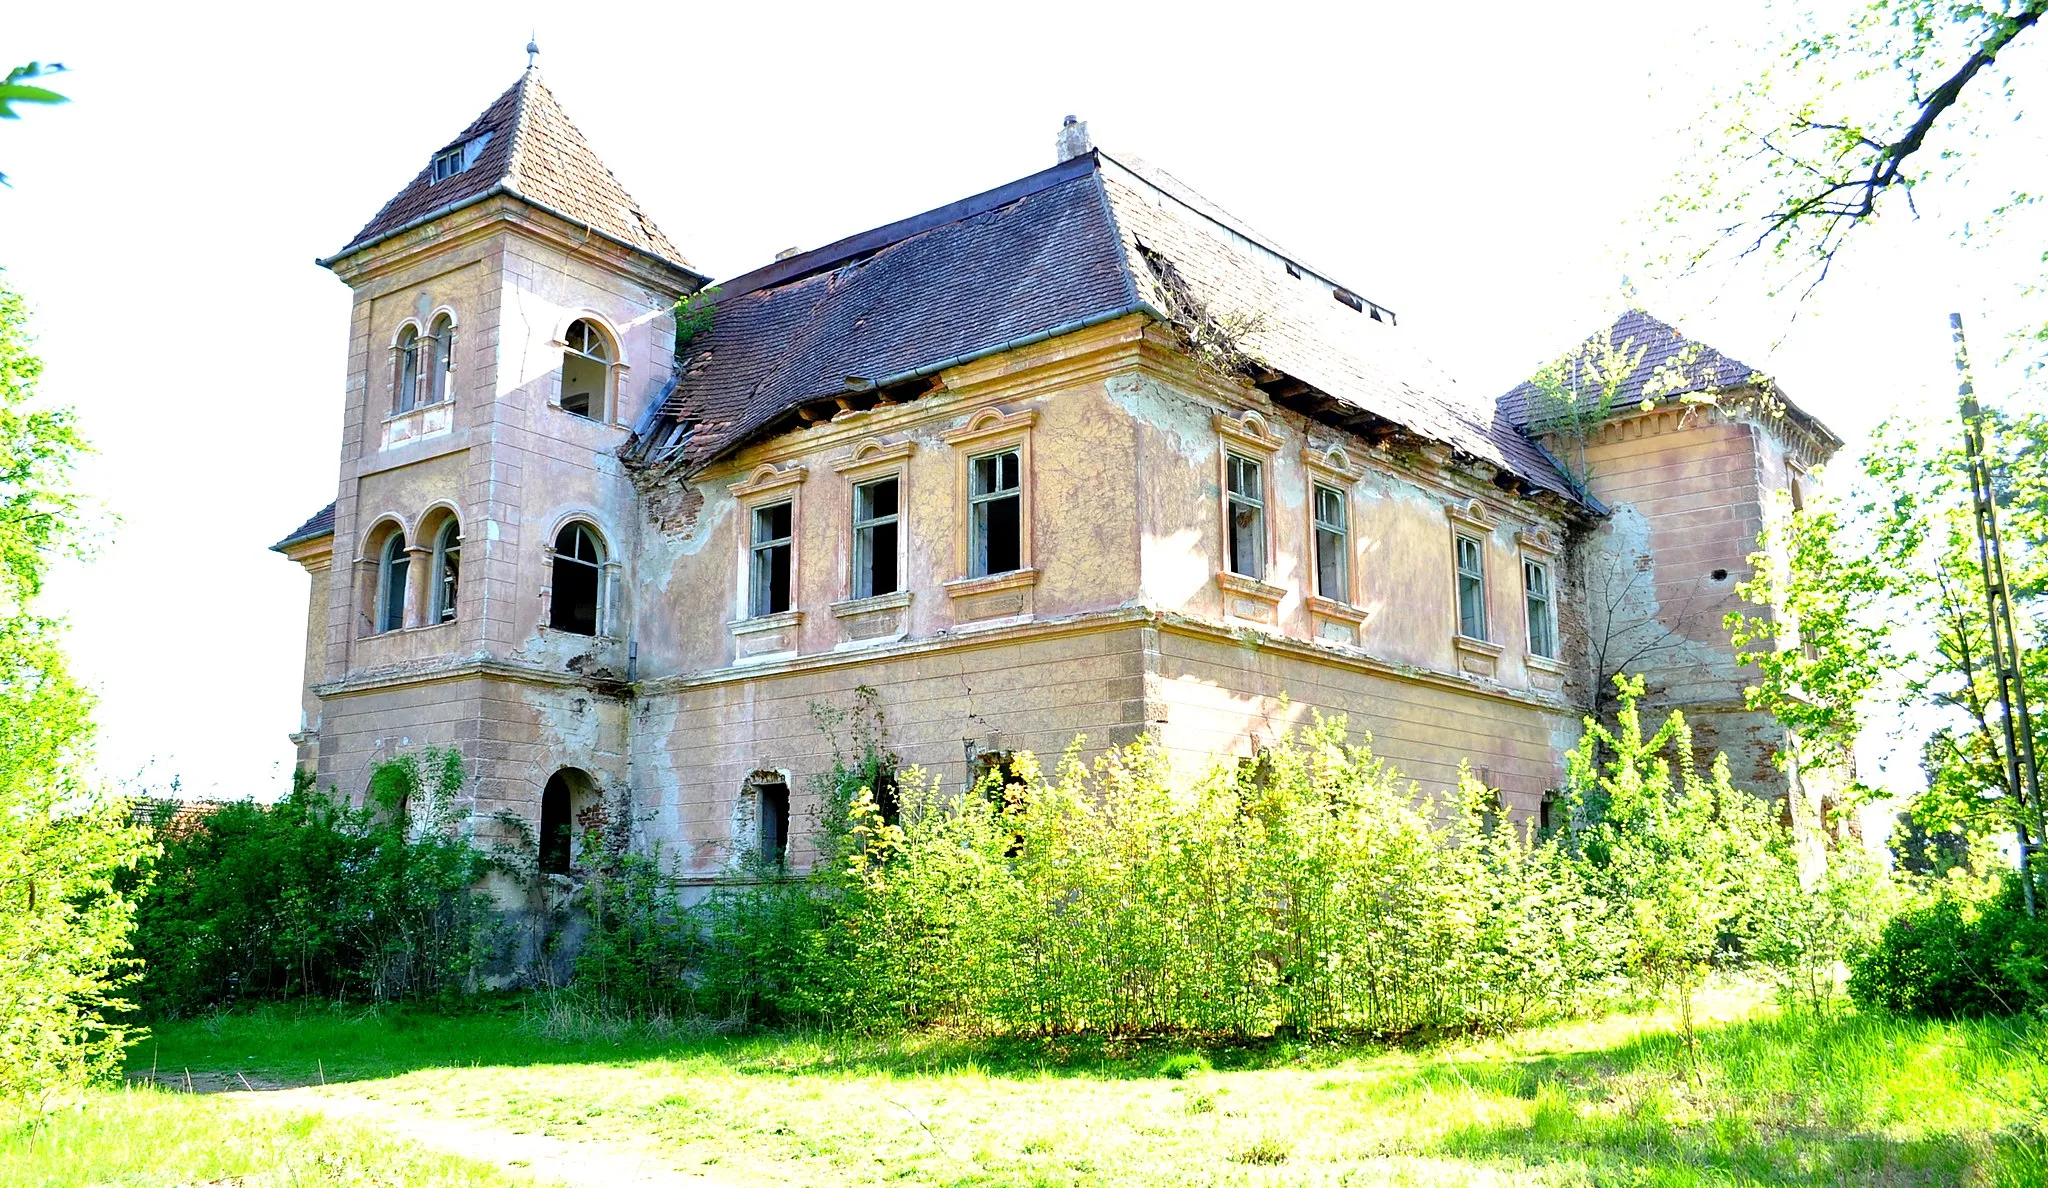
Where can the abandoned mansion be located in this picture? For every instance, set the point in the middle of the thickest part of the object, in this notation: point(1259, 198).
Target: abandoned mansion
point(1083, 455)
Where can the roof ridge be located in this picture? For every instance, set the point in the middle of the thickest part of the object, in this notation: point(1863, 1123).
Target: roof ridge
point(514, 157)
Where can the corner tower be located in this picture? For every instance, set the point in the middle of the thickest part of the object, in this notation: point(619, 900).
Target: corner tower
point(511, 321)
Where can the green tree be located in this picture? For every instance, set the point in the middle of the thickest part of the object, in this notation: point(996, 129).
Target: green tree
point(1878, 615)
point(1853, 114)
point(65, 845)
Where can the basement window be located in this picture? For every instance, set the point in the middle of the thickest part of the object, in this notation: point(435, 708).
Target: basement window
point(771, 816)
point(771, 559)
point(875, 512)
point(995, 500)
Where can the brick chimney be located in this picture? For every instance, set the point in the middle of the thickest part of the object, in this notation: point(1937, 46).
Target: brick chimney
point(1073, 139)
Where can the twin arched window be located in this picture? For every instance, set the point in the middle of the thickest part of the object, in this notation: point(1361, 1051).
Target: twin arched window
point(394, 578)
point(424, 364)
point(587, 359)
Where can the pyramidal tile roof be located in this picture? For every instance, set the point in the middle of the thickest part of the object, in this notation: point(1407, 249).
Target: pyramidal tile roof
point(1679, 365)
point(523, 144)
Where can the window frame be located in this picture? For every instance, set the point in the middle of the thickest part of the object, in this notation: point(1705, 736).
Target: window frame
point(764, 487)
point(1318, 527)
point(394, 562)
point(447, 584)
point(864, 530)
point(441, 359)
point(1548, 598)
point(604, 407)
point(1233, 460)
point(601, 624)
point(760, 560)
point(1459, 539)
point(992, 431)
point(405, 369)
point(978, 565)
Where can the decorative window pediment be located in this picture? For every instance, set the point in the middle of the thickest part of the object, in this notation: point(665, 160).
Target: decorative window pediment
point(1248, 432)
point(767, 477)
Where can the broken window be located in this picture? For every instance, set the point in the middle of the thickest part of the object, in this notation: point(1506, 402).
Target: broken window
point(1333, 539)
point(443, 360)
point(554, 826)
point(874, 537)
point(447, 571)
point(995, 505)
point(578, 580)
point(391, 573)
point(586, 370)
point(771, 812)
point(408, 368)
point(1542, 609)
point(1246, 503)
point(1471, 587)
point(770, 564)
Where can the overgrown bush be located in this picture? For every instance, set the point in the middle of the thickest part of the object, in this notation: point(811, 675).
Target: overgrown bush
point(1951, 955)
point(309, 896)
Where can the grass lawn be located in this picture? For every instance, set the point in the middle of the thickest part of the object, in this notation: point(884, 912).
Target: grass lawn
point(1774, 1100)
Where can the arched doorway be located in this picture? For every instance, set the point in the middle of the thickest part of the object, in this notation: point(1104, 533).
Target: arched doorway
point(565, 797)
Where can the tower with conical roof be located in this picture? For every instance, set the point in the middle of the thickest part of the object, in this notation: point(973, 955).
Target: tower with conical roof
point(512, 318)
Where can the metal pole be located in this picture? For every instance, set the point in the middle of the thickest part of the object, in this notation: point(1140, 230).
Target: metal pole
point(2016, 720)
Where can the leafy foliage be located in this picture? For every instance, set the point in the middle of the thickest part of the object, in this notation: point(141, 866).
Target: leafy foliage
point(18, 88)
point(309, 896)
point(1854, 113)
point(1952, 955)
point(67, 849)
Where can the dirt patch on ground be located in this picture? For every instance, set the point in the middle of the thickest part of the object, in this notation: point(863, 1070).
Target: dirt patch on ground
point(588, 1164)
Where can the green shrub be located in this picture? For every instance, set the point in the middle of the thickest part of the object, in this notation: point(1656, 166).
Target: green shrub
point(1950, 957)
point(309, 896)
point(638, 954)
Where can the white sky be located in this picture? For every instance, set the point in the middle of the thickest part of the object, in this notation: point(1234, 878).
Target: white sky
point(1471, 168)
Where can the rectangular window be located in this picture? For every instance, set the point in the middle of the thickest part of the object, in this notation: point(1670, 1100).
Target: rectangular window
point(1471, 588)
point(1542, 609)
point(1333, 545)
point(874, 538)
point(771, 558)
point(1247, 508)
point(995, 508)
point(772, 806)
point(447, 164)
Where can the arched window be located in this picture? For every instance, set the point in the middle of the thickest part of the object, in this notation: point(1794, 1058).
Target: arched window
point(408, 368)
point(587, 371)
point(447, 571)
point(438, 371)
point(392, 564)
point(578, 582)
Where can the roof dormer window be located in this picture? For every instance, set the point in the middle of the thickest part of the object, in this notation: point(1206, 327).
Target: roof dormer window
point(453, 160)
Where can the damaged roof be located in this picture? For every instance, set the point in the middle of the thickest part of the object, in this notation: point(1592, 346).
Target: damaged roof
point(523, 144)
point(1091, 239)
point(1671, 365)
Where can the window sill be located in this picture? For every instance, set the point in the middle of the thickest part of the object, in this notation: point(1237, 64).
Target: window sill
point(417, 422)
point(850, 607)
point(1337, 622)
point(997, 596)
point(765, 635)
point(416, 410)
point(1477, 656)
point(1249, 598)
point(419, 630)
point(588, 420)
point(1544, 664)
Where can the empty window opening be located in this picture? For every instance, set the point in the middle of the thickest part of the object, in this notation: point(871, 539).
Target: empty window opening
point(447, 571)
point(771, 815)
point(1247, 513)
point(586, 371)
point(1471, 588)
point(1544, 812)
point(578, 580)
point(875, 511)
point(392, 565)
point(995, 500)
point(1542, 609)
point(1293, 271)
point(997, 779)
point(770, 564)
point(888, 798)
point(442, 360)
point(1333, 537)
point(408, 369)
point(555, 841)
